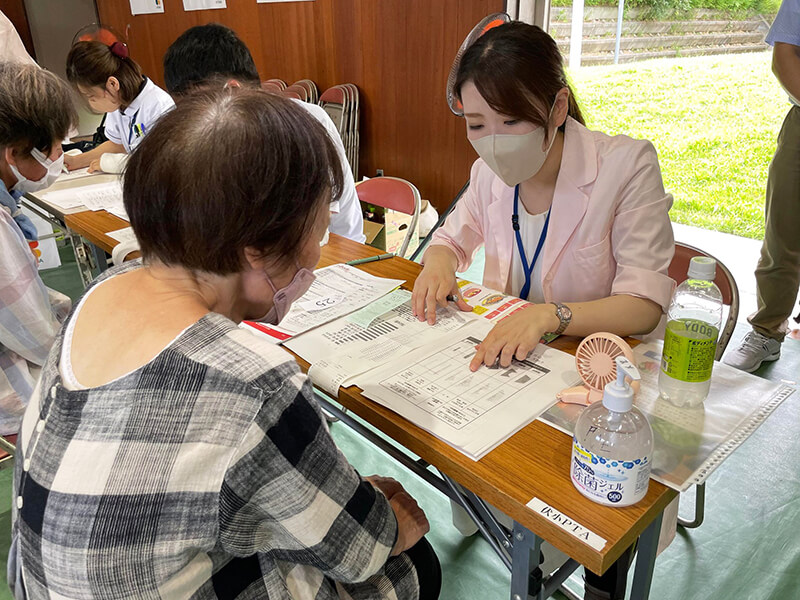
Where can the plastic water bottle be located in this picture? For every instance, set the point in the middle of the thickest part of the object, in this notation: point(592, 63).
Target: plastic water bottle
point(613, 445)
point(690, 341)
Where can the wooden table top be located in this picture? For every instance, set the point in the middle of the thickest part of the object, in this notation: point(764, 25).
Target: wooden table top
point(535, 462)
point(95, 226)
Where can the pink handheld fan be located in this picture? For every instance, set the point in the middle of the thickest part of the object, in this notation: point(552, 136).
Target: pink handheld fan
point(596, 366)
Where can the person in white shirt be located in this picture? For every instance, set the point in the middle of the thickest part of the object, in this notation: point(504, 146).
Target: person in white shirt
point(112, 82)
point(11, 47)
point(214, 53)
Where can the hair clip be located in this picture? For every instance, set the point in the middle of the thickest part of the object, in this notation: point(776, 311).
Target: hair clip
point(119, 50)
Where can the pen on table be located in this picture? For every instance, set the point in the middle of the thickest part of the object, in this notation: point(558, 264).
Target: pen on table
point(361, 261)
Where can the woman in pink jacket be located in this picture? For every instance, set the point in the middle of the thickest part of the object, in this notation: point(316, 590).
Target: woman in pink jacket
point(572, 220)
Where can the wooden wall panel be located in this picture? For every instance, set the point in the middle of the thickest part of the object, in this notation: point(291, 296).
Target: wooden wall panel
point(398, 52)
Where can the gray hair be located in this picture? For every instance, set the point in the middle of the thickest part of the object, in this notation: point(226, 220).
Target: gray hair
point(36, 107)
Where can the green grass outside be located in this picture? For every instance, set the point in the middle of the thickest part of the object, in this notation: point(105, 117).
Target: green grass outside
point(684, 8)
point(713, 120)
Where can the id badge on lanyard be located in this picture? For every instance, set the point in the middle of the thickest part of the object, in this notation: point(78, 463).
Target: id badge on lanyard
point(527, 269)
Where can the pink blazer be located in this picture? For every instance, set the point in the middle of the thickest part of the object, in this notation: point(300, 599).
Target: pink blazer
point(609, 229)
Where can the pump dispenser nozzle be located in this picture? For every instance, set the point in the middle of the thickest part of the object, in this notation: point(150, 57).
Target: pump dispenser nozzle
point(618, 395)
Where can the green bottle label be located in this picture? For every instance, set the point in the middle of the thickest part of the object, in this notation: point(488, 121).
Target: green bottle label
point(689, 349)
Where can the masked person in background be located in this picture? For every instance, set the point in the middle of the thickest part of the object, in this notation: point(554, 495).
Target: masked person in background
point(36, 112)
point(573, 220)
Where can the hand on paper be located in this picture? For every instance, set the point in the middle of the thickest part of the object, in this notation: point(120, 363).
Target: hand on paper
point(94, 166)
point(515, 336)
point(435, 283)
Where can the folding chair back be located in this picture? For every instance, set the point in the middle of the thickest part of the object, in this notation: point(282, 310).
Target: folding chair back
point(279, 82)
point(272, 88)
point(301, 91)
point(395, 194)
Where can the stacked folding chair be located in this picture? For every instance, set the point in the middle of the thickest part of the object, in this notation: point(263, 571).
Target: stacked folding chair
point(271, 87)
point(278, 82)
point(341, 104)
point(312, 93)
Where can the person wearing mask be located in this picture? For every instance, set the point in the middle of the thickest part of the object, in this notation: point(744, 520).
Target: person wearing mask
point(778, 271)
point(112, 83)
point(36, 112)
point(214, 54)
point(196, 462)
point(573, 220)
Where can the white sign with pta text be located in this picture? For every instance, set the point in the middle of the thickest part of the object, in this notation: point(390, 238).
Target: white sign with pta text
point(567, 524)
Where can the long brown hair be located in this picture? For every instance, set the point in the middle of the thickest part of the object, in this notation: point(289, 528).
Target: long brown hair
point(91, 63)
point(518, 70)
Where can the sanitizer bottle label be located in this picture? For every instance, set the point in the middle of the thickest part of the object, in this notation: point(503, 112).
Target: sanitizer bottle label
point(689, 349)
point(612, 482)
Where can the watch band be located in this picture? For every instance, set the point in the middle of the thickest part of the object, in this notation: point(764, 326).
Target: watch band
point(564, 314)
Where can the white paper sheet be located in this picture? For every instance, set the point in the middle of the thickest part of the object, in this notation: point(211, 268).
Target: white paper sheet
point(472, 411)
point(341, 349)
point(203, 4)
point(123, 235)
point(146, 7)
point(98, 196)
point(690, 443)
point(76, 174)
point(337, 290)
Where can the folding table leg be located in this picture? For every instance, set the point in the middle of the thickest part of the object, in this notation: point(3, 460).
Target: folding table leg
point(82, 258)
point(525, 558)
point(646, 560)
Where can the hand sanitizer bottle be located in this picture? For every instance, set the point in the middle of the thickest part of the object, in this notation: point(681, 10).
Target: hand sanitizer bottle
point(613, 445)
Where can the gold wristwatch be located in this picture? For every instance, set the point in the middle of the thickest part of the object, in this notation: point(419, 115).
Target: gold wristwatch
point(564, 314)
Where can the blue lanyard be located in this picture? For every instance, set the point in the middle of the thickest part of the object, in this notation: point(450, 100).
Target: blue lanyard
point(525, 267)
point(133, 127)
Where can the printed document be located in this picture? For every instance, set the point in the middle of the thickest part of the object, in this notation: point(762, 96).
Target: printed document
point(472, 411)
point(343, 349)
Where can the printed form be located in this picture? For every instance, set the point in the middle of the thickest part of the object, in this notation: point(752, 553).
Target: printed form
point(472, 411)
point(345, 348)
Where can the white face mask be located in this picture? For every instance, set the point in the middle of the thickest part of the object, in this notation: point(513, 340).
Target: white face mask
point(515, 158)
point(325, 237)
point(54, 168)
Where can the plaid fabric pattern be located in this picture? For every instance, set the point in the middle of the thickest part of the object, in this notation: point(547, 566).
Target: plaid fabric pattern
point(207, 473)
point(28, 323)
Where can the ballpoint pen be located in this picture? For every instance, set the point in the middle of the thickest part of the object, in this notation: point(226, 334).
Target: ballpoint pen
point(361, 261)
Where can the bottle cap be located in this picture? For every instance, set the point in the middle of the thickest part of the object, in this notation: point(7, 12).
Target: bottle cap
point(618, 395)
point(702, 267)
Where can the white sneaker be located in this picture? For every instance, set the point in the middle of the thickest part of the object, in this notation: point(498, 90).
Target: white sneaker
point(754, 350)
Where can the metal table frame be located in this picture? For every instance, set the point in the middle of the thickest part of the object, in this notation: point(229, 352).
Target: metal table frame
point(89, 257)
point(520, 549)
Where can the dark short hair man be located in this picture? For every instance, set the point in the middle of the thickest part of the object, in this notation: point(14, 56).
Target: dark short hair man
point(213, 52)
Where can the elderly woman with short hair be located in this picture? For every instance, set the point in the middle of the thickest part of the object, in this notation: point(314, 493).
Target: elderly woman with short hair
point(170, 454)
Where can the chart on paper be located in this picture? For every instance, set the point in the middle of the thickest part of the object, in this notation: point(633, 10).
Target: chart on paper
point(434, 388)
point(439, 384)
point(343, 349)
